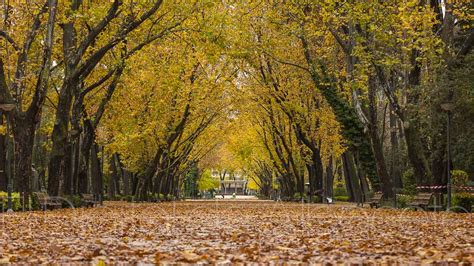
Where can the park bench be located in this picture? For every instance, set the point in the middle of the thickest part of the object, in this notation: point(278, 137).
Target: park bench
point(421, 200)
point(47, 202)
point(376, 200)
point(88, 200)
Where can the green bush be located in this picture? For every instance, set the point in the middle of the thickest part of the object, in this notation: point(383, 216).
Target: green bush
point(339, 191)
point(35, 205)
point(16, 205)
point(298, 196)
point(409, 183)
point(316, 199)
point(463, 202)
point(341, 198)
point(459, 178)
point(128, 198)
point(403, 201)
point(75, 200)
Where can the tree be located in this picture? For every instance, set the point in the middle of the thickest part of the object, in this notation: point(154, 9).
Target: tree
point(25, 116)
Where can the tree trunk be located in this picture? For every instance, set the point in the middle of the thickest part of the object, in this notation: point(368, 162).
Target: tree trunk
point(86, 141)
point(134, 180)
point(76, 164)
point(329, 179)
point(112, 177)
point(126, 182)
point(3, 159)
point(351, 177)
point(416, 154)
point(96, 174)
point(376, 144)
point(59, 149)
point(395, 167)
point(67, 181)
point(119, 175)
point(24, 135)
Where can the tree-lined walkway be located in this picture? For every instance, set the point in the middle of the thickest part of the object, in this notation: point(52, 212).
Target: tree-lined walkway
point(234, 231)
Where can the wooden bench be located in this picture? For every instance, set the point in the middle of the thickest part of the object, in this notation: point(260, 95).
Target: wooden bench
point(376, 200)
point(421, 200)
point(47, 202)
point(88, 200)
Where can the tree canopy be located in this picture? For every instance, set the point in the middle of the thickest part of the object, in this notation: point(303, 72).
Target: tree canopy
point(128, 96)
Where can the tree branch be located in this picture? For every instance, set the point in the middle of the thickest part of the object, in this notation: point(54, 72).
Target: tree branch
point(5, 96)
point(112, 13)
point(10, 40)
point(98, 83)
point(23, 57)
point(42, 83)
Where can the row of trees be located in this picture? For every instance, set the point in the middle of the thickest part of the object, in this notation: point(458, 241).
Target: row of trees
point(125, 82)
point(354, 90)
point(309, 92)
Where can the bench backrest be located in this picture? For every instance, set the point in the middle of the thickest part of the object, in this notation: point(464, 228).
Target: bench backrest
point(423, 197)
point(41, 196)
point(88, 196)
point(377, 196)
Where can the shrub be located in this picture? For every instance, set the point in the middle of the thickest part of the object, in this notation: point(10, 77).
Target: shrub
point(298, 196)
point(35, 205)
point(463, 202)
point(128, 198)
point(316, 199)
point(409, 183)
point(341, 198)
point(16, 205)
point(75, 200)
point(339, 191)
point(403, 201)
point(459, 178)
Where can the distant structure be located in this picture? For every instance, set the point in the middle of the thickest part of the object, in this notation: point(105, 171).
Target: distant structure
point(231, 182)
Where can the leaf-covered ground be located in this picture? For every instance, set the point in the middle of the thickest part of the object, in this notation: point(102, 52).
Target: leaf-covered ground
point(218, 231)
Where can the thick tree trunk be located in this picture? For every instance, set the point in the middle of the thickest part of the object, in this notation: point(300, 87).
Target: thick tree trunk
point(318, 168)
point(312, 180)
point(351, 177)
point(134, 183)
point(3, 159)
point(126, 182)
point(76, 164)
point(386, 185)
point(67, 187)
point(24, 135)
point(86, 142)
point(112, 178)
point(60, 142)
point(144, 178)
point(416, 154)
point(96, 173)
point(329, 179)
point(395, 167)
point(119, 175)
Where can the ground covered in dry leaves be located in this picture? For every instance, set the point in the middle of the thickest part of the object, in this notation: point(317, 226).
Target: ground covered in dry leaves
point(229, 232)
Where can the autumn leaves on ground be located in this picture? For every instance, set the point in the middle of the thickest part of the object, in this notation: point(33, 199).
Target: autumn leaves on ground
point(235, 231)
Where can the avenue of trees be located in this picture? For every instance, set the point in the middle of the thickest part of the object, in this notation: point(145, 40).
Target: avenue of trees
point(127, 97)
